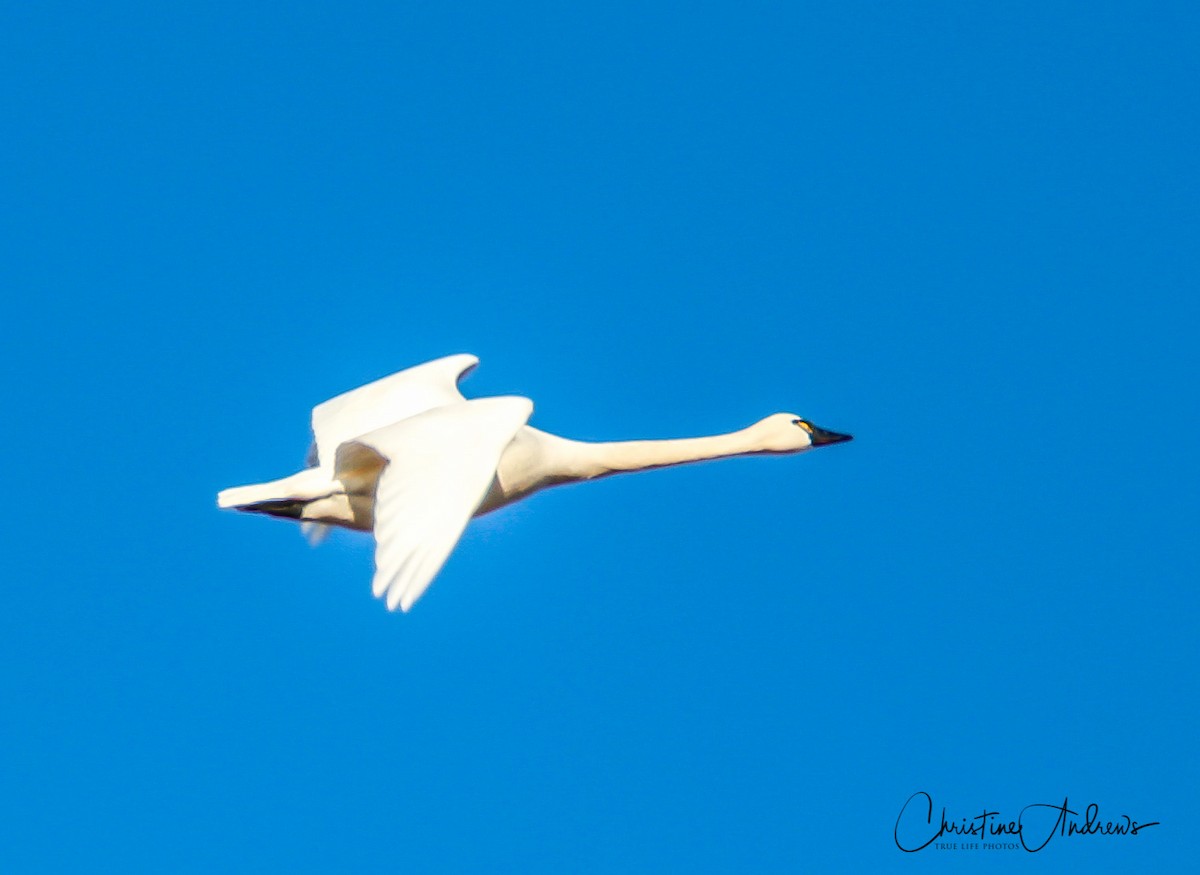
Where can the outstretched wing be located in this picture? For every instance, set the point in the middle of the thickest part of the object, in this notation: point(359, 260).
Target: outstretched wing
point(392, 399)
point(440, 465)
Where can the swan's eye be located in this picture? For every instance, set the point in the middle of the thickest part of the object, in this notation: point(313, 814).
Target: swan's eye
point(804, 425)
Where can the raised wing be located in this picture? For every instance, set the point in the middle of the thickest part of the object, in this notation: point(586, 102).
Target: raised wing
point(392, 399)
point(440, 465)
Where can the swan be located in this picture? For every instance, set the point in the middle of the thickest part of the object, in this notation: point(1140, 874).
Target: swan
point(409, 458)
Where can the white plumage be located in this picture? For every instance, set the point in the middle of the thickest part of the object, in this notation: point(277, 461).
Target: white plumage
point(440, 466)
point(409, 458)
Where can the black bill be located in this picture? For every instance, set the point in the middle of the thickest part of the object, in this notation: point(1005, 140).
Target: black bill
point(820, 437)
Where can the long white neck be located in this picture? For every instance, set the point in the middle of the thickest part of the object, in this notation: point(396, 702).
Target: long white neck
point(536, 460)
point(604, 459)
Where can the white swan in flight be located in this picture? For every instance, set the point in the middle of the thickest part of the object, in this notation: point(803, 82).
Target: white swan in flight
point(413, 460)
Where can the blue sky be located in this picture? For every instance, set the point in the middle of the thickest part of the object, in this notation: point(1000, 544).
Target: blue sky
point(966, 235)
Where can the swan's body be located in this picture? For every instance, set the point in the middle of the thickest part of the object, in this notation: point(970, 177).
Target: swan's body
point(409, 458)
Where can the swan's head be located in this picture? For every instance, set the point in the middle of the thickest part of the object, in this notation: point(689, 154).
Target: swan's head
point(789, 433)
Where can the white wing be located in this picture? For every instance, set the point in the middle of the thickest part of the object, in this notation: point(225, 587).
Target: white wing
point(440, 465)
point(392, 399)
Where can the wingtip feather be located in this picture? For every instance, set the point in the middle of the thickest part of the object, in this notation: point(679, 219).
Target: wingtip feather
point(393, 598)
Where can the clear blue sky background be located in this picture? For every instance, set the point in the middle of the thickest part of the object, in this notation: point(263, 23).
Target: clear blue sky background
point(964, 232)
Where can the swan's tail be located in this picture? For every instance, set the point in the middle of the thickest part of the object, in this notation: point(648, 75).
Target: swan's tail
point(309, 484)
point(247, 496)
